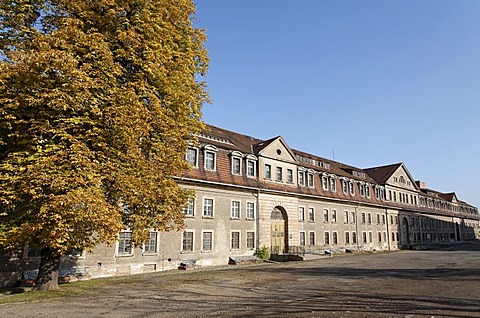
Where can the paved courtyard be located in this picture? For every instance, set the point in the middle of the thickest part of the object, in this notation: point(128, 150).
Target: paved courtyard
point(438, 283)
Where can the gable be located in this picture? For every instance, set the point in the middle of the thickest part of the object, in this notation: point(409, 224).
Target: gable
point(277, 149)
point(401, 178)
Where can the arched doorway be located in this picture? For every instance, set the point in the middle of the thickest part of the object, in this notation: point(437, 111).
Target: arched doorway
point(405, 232)
point(278, 231)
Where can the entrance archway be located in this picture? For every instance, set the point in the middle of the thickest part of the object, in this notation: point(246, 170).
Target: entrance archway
point(278, 231)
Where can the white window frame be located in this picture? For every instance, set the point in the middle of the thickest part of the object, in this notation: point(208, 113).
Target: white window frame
point(311, 214)
point(148, 244)
point(310, 233)
point(189, 210)
point(209, 149)
point(301, 178)
point(325, 182)
point(235, 207)
point(250, 213)
point(194, 163)
point(251, 173)
point(212, 214)
point(289, 176)
point(279, 174)
point(334, 216)
point(128, 248)
point(301, 214)
point(232, 247)
point(310, 179)
point(267, 171)
point(302, 238)
point(206, 250)
point(236, 157)
point(325, 215)
point(250, 242)
point(192, 233)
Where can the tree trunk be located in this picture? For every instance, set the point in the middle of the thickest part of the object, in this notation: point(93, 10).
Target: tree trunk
point(47, 278)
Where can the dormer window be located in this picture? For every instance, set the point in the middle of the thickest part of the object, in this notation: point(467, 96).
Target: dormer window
point(367, 190)
point(251, 166)
point(310, 178)
point(301, 178)
point(351, 187)
point(237, 162)
point(333, 184)
point(192, 156)
point(361, 188)
point(344, 185)
point(210, 157)
point(325, 182)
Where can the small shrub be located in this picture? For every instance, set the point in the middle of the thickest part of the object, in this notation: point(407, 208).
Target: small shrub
point(263, 253)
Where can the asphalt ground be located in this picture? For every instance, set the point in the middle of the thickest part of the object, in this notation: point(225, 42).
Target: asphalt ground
point(444, 282)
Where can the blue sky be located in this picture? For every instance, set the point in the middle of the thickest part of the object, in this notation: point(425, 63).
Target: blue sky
point(379, 82)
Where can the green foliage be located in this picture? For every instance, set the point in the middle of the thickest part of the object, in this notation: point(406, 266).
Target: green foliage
point(263, 253)
point(98, 102)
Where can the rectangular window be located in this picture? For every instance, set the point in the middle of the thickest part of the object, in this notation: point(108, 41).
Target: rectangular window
point(301, 214)
point(208, 208)
point(236, 166)
point(325, 215)
point(383, 218)
point(354, 237)
point(353, 217)
point(209, 160)
point(187, 241)
point(207, 241)
point(378, 218)
point(311, 215)
point(278, 176)
point(302, 238)
point(363, 218)
point(367, 191)
point(327, 238)
point(250, 210)
point(312, 238)
point(250, 240)
point(301, 178)
point(344, 186)
point(124, 243)
point(235, 213)
point(190, 208)
point(351, 188)
point(391, 219)
point(347, 238)
point(324, 183)
point(333, 185)
point(235, 241)
point(334, 216)
point(384, 236)
point(289, 175)
point(369, 218)
point(310, 180)
point(393, 236)
point(192, 157)
point(364, 236)
point(151, 243)
point(379, 237)
point(268, 172)
point(345, 216)
point(251, 168)
point(370, 237)
point(335, 238)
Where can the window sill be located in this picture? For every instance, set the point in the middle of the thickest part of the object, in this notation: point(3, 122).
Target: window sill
point(234, 218)
point(124, 255)
point(206, 252)
point(250, 219)
point(186, 252)
point(207, 217)
point(150, 254)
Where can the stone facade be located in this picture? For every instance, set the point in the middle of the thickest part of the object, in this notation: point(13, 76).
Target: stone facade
point(252, 193)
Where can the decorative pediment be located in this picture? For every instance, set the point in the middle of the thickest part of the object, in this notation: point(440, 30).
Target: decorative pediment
point(277, 149)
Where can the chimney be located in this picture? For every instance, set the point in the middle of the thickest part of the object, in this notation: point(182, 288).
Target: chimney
point(420, 184)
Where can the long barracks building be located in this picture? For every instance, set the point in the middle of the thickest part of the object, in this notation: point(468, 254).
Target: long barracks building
point(252, 193)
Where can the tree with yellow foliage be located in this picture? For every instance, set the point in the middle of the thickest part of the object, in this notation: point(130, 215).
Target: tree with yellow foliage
point(98, 102)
